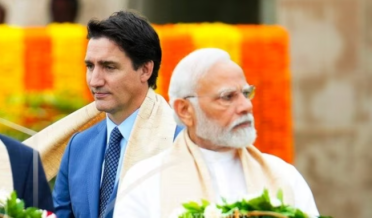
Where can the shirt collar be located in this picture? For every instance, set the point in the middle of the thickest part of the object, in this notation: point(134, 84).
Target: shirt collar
point(218, 156)
point(125, 127)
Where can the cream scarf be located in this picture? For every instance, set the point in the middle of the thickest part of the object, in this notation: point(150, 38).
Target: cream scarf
point(185, 176)
point(153, 131)
point(52, 141)
point(6, 176)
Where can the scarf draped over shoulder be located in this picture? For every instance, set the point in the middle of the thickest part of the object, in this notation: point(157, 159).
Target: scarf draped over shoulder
point(186, 177)
point(153, 131)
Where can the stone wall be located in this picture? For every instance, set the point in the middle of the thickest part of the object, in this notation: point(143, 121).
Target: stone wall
point(331, 57)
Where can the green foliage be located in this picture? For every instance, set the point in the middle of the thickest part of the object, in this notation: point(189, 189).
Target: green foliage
point(194, 209)
point(15, 208)
point(37, 111)
point(245, 207)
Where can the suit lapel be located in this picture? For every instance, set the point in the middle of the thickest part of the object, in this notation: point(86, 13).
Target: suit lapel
point(97, 146)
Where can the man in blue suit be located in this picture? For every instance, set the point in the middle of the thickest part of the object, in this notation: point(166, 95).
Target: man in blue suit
point(122, 59)
point(35, 192)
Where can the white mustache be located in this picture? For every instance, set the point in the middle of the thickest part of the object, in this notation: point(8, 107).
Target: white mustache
point(243, 119)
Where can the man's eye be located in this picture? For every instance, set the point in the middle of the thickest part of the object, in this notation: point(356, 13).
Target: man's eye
point(227, 96)
point(247, 93)
point(109, 67)
point(89, 66)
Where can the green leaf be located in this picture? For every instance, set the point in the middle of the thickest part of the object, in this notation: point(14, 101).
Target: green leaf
point(15, 207)
point(280, 197)
point(192, 206)
point(187, 215)
point(260, 203)
point(205, 203)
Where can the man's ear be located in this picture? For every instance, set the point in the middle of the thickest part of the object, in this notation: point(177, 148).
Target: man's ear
point(184, 111)
point(146, 71)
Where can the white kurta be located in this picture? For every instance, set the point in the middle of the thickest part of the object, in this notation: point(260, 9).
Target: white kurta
point(226, 174)
point(142, 199)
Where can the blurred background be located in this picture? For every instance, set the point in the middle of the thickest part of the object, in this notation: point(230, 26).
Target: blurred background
point(330, 44)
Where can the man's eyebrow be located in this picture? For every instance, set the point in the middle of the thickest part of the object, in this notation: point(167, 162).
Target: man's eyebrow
point(226, 89)
point(107, 62)
point(246, 86)
point(101, 62)
point(232, 89)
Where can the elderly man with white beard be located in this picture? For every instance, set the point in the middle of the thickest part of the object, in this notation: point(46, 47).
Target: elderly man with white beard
point(214, 156)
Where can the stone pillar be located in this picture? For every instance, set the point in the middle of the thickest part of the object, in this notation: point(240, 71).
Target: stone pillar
point(331, 53)
point(26, 12)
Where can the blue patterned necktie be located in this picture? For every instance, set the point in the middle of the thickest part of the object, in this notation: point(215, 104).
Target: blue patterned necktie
point(112, 157)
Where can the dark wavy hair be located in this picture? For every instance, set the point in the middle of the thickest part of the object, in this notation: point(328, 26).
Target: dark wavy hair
point(136, 37)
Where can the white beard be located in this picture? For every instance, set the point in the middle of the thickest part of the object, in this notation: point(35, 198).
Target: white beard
point(211, 131)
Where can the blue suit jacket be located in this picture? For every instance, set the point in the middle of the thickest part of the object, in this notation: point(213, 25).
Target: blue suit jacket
point(76, 191)
point(22, 163)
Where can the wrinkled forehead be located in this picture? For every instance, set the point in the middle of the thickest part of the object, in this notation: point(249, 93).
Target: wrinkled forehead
point(222, 76)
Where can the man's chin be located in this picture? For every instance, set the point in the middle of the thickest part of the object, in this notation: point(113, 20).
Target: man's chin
point(101, 106)
point(243, 140)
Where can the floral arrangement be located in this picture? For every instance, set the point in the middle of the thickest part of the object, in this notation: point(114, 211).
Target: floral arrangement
point(257, 207)
point(11, 206)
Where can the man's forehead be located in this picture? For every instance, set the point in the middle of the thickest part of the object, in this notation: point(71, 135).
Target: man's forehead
point(103, 50)
point(219, 86)
point(102, 45)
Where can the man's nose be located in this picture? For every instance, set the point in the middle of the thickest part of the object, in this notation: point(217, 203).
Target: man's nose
point(95, 78)
point(244, 105)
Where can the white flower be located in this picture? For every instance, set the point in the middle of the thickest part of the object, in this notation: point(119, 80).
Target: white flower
point(177, 212)
point(275, 202)
point(4, 195)
point(45, 214)
point(212, 212)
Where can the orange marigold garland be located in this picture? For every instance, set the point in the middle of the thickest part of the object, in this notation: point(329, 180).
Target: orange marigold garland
point(276, 77)
point(38, 61)
point(217, 35)
point(69, 46)
point(175, 45)
point(55, 61)
point(11, 71)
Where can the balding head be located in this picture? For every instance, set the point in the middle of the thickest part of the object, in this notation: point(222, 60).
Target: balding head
point(190, 69)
